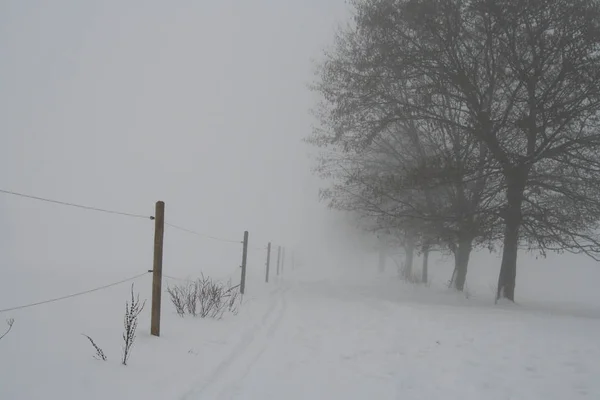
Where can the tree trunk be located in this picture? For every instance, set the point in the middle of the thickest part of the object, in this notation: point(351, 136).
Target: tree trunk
point(409, 249)
point(508, 267)
point(382, 257)
point(461, 262)
point(451, 282)
point(424, 277)
point(513, 218)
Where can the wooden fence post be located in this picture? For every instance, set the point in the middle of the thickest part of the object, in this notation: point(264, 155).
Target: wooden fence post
point(159, 230)
point(268, 261)
point(244, 257)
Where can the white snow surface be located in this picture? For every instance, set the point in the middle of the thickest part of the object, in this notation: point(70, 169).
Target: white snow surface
point(306, 335)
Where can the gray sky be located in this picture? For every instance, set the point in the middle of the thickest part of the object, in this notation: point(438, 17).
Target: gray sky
point(117, 104)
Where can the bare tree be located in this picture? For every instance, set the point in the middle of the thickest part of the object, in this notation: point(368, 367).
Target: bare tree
point(520, 77)
point(430, 182)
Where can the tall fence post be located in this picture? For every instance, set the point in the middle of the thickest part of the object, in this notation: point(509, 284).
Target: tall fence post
point(268, 261)
point(159, 230)
point(278, 258)
point(244, 257)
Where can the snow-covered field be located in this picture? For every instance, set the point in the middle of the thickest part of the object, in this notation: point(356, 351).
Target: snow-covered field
point(308, 335)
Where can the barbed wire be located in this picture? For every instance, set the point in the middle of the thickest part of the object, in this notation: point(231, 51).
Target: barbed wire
point(64, 203)
point(201, 234)
point(74, 294)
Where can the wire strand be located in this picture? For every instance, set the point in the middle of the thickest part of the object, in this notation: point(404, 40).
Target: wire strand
point(177, 279)
point(76, 205)
point(229, 276)
point(74, 294)
point(201, 234)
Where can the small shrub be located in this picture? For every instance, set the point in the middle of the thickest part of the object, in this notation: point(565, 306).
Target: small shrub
point(191, 293)
point(10, 323)
point(132, 312)
point(178, 298)
point(211, 297)
point(99, 353)
point(235, 299)
point(205, 297)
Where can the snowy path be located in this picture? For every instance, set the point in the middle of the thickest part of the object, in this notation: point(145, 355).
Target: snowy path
point(222, 383)
point(319, 340)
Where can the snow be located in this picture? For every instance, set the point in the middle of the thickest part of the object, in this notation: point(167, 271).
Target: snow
point(309, 334)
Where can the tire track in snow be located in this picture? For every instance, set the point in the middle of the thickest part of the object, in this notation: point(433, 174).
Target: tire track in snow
point(241, 348)
point(231, 389)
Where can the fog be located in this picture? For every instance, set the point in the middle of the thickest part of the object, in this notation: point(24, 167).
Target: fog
point(202, 105)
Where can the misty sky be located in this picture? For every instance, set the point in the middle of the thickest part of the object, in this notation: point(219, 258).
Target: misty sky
point(119, 104)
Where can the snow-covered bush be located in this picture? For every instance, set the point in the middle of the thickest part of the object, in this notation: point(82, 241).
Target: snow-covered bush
point(205, 297)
